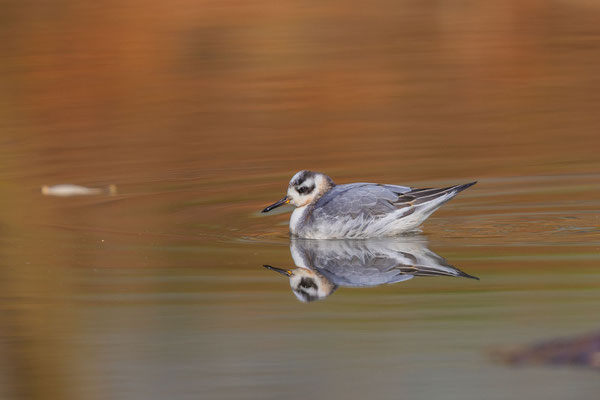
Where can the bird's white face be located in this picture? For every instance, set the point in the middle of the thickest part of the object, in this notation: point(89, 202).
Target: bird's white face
point(305, 188)
point(302, 189)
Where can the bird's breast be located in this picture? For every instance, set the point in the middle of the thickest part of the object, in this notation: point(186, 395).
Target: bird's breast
point(297, 219)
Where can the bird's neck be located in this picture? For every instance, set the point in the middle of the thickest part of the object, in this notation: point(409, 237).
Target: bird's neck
point(298, 218)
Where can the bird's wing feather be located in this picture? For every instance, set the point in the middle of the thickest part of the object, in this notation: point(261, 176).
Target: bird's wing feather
point(370, 200)
point(416, 197)
point(398, 189)
point(359, 199)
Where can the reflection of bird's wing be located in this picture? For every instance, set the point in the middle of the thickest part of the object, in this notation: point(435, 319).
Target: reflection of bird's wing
point(368, 270)
point(356, 199)
point(371, 262)
point(427, 263)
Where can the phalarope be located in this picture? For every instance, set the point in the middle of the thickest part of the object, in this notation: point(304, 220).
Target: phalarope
point(325, 210)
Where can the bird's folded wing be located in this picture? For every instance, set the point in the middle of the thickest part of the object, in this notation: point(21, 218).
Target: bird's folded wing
point(359, 199)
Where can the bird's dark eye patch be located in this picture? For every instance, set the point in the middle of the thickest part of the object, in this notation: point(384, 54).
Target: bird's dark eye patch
point(308, 283)
point(305, 189)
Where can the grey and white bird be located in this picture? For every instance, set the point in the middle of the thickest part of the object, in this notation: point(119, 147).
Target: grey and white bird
point(325, 210)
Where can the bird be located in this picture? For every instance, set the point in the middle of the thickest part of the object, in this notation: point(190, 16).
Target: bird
point(325, 265)
point(360, 210)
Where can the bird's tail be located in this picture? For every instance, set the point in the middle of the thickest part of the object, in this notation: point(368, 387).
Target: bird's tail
point(417, 197)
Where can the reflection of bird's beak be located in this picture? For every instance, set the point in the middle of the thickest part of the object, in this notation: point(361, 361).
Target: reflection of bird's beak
point(285, 272)
point(281, 202)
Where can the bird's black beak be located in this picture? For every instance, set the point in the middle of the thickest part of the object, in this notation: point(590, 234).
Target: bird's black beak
point(281, 202)
point(285, 272)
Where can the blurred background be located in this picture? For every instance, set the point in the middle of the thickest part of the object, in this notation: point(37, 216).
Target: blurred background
point(201, 111)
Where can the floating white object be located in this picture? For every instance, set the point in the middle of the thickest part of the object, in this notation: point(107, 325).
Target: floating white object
point(67, 190)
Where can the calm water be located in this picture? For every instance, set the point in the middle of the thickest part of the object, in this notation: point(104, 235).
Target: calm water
point(200, 112)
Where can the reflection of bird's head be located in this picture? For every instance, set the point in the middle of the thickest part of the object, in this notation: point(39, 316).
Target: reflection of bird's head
point(307, 284)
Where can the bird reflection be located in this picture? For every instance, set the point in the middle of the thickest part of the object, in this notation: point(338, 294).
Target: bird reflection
point(325, 265)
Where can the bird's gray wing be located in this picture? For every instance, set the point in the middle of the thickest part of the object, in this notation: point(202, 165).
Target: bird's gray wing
point(398, 189)
point(355, 199)
point(416, 197)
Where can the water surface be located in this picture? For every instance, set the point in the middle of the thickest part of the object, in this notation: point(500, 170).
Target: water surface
point(200, 112)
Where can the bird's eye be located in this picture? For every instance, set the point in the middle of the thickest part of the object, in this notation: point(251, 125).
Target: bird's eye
point(307, 283)
point(305, 189)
